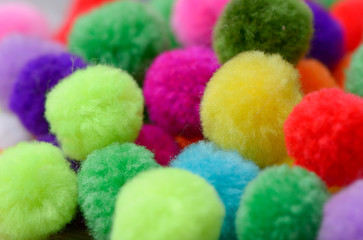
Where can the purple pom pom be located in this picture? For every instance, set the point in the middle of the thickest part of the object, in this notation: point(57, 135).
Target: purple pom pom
point(34, 81)
point(327, 45)
point(15, 52)
point(174, 86)
point(343, 215)
point(48, 138)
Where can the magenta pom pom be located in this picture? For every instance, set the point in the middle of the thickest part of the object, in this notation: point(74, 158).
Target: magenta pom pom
point(159, 142)
point(174, 86)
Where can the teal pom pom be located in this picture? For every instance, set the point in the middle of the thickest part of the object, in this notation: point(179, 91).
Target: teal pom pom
point(354, 81)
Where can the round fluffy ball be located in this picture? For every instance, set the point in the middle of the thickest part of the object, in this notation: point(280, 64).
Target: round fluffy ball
point(343, 215)
point(246, 104)
point(93, 108)
point(324, 134)
point(100, 178)
point(227, 171)
point(133, 35)
point(272, 26)
point(22, 18)
point(15, 52)
point(340, 70)
point(193, 21)
point(167, 204)
point(354, 74)
point(174, 86)
point(292, 201)
point(38, 191)
point(327, 3)
point(159, 142)
point(327, 44)
point(34, 81)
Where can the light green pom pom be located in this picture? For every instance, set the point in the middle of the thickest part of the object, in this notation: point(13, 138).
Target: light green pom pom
point(93, 108)
point(38, 191)
point(354, 82)
point(167, 204)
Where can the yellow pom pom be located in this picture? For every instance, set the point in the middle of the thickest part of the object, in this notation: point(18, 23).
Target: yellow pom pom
point(246, 104)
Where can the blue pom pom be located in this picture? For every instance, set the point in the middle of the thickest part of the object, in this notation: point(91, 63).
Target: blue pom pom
point(227, 171)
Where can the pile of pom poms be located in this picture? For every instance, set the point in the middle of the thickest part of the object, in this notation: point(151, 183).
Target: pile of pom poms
point(182, 120)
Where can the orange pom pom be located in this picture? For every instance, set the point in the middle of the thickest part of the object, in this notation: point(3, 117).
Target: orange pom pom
point(185, 142)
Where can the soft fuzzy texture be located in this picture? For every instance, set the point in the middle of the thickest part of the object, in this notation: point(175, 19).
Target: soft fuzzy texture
point(34, 81)
point(339, 72)
point(227, 171)
point(15, 52)
point(324, 134)
point(101, 177)
point(349, 14)
point(167, 204)
point(184, 142)
point(11, 130)
point(133, 35)
point(193, 21)
point(93, 108)
point(327, 3)
point(48, 138)
point(314, 76)
point(246, 104)
point(343, 215)
point(22, 18)
point(38, 192)
point(273, 26)
point(354, 74)
point(174, 86)
point(282, 203)
point(159, 142)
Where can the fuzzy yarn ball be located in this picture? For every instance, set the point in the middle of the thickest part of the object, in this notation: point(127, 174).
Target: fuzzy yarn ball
point(22, 18)
point(339, 71)
point(343, 215)
point(166, 204)
point(93, 108)
point(227, 171)
point(38, 191)
point(327, 44)
point(349, 14)
point(193, 21)
point(273, 26)
point(262, 90)
point(159, 142)
point(292, 200)
point(48, 138)
point(15, 52)
point(174, 86)
point(34, 81)
point(100, 178)
point(133, 35)
point(324, 133)
point(354, 74)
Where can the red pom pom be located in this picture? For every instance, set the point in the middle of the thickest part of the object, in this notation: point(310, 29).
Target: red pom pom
point(324, 133)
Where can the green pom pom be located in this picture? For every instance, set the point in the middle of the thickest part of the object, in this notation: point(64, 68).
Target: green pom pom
point(327, 3)
point(354, 81)
point(273, 26)
point(167, 204)
point(125, 34)
point(93, 108)
point(282, 203)
point(38, 191)
point(100, 178)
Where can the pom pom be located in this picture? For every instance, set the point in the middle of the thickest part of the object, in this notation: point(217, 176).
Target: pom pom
point(159, 142)
point(133, 35)
point(327, 45)
point(22, 18)
point(15, 52)
point(100, 178)
point(174, 86)
point(262, 90)
point(324, 134)
point(93, 108)
point(11, 131)
point(38, 191)
point(184, 142)
point(167, 204)
point(354, 81)
point(228, 172)
point(314, 76)
point(292, 200)
point(193, 21)
point(339, 72)
point(272, 26)
point(48, 138)
point(327, 3)
point(343, 215)
point(34, 81)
